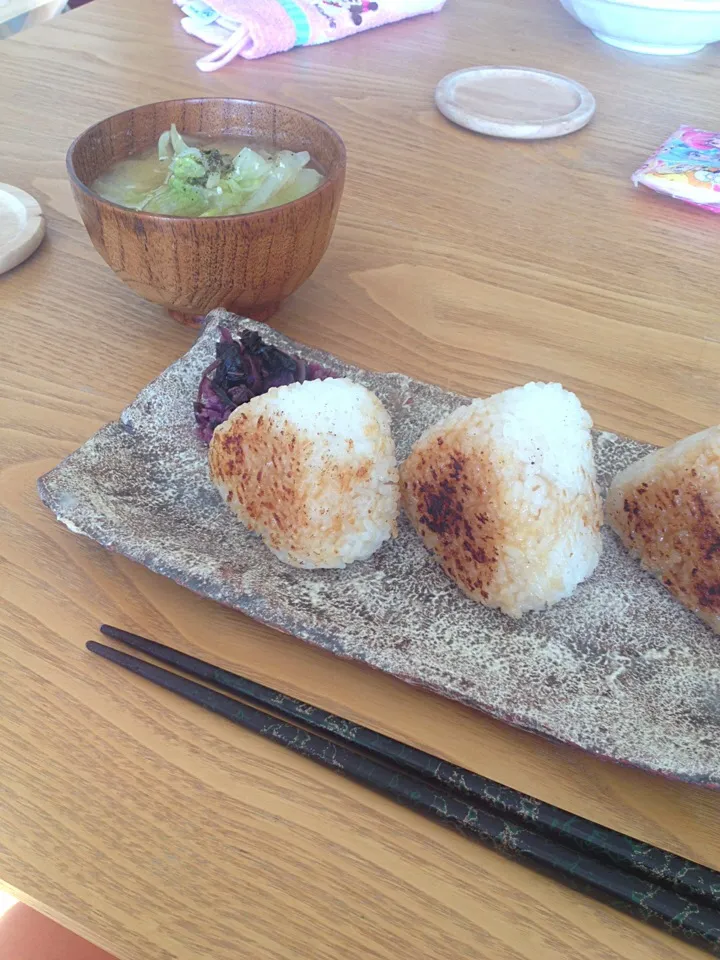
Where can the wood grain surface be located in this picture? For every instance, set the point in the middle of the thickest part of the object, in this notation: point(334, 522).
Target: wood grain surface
point(159, 831)
point(514, 102)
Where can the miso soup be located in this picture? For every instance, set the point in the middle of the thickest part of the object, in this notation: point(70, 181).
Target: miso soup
point(210, 177)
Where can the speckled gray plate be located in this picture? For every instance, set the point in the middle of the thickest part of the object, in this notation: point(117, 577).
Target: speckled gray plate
point(620, 669)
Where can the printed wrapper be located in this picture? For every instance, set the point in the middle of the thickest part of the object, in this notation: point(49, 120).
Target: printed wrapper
point(687, 167)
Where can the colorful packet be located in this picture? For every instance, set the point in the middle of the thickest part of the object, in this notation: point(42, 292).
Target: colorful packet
point(687, 166)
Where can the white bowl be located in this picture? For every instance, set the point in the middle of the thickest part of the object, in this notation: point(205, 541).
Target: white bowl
point(650, 26)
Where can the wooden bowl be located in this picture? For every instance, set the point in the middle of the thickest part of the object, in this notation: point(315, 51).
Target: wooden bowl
point(248, 263)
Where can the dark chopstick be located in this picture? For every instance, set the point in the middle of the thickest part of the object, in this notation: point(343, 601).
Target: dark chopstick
point(675, 913)
point(684, 876)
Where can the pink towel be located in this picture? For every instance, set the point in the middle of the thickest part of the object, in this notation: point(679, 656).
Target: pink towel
point(257, 28)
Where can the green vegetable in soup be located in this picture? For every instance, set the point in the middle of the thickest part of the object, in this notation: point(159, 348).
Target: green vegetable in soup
point(192, 181)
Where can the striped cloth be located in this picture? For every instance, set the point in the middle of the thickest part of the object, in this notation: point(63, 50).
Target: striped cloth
point(257, 28)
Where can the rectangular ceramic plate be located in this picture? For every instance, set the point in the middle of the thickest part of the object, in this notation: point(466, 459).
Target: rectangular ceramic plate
point(620, 669)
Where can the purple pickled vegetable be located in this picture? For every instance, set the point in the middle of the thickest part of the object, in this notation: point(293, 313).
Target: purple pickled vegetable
point(243, 369)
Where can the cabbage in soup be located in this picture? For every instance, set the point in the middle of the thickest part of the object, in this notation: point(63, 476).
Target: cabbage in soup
point(192, 177)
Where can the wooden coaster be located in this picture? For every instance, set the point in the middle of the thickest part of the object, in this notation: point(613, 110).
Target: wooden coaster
point(514, 102)
point(22, 226)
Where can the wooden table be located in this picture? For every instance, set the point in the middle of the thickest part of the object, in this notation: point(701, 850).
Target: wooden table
point(159, 831)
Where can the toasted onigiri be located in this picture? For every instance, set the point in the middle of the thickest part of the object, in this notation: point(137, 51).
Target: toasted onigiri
point(503, 493)
point(311, 468)
point(666, 510)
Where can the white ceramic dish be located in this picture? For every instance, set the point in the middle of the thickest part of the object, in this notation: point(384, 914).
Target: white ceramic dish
point(650, 26)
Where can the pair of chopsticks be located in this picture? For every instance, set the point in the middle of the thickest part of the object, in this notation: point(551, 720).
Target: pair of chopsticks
point(657, 886)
